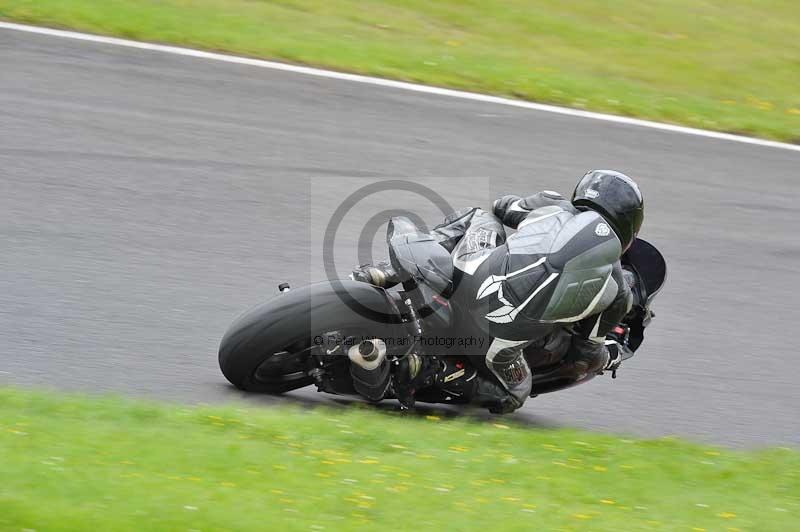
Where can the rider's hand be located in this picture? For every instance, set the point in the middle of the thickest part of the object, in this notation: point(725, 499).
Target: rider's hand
point(615, 344)
point(614, 355)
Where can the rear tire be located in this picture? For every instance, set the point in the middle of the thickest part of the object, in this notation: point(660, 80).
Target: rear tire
point(267, 349)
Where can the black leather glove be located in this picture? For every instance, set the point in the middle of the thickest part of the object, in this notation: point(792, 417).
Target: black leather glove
point(616, 343)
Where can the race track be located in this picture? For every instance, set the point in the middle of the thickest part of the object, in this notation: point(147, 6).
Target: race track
point(146, 199)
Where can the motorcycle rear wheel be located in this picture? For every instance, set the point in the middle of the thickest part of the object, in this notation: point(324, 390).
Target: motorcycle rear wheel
point(266, 350)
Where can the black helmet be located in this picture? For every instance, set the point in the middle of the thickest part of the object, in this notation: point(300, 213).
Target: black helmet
point(616, 197)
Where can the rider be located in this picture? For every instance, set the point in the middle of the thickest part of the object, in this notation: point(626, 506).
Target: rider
point(559, 271)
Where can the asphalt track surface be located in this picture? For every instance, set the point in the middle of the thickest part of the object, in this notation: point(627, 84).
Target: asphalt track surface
point(146, 199)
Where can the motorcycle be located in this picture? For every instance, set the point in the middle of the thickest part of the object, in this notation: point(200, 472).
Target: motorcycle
point(311, 335)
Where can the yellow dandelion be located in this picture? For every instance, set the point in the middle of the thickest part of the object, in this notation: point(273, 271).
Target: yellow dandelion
point(582, 516)
point(368, 461)
point(432, 418)
point(727, 515)
point(793, 111)
point(607, 501)
point(600, 468)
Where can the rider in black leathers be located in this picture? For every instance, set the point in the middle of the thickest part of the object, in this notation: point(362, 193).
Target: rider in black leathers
point(559, 271)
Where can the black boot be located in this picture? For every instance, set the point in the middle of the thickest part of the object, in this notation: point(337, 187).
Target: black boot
point(491, 395)
point(381, 274)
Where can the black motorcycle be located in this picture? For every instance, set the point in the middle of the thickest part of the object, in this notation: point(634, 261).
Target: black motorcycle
point(309, 335)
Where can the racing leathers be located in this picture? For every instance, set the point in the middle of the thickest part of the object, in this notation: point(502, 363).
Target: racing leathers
point(560, 271)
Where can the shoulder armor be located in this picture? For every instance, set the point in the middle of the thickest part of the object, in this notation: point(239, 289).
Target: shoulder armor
point(584, 241)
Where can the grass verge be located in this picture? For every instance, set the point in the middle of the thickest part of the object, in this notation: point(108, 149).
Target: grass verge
point(71, 463)
point(729, 65)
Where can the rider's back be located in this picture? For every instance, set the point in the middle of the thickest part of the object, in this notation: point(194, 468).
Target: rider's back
point(556, 269)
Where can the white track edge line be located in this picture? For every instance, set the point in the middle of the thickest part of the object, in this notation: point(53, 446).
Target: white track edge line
point(414, 87)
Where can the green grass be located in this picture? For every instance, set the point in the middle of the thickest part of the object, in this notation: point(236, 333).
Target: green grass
point(729, 65)
point(73, 463)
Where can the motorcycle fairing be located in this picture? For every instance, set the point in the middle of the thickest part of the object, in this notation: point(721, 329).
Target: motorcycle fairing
point(651, 272)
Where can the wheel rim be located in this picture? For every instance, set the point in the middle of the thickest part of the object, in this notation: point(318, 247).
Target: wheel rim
point(283, 366)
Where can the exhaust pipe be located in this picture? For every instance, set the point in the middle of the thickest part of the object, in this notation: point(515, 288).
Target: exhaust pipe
point(369, 354)
point(369, 368)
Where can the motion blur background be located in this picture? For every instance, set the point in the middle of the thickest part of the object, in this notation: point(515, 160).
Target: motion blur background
point(147, 198)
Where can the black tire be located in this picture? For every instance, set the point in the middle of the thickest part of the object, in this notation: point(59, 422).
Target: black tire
point(266, 349)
